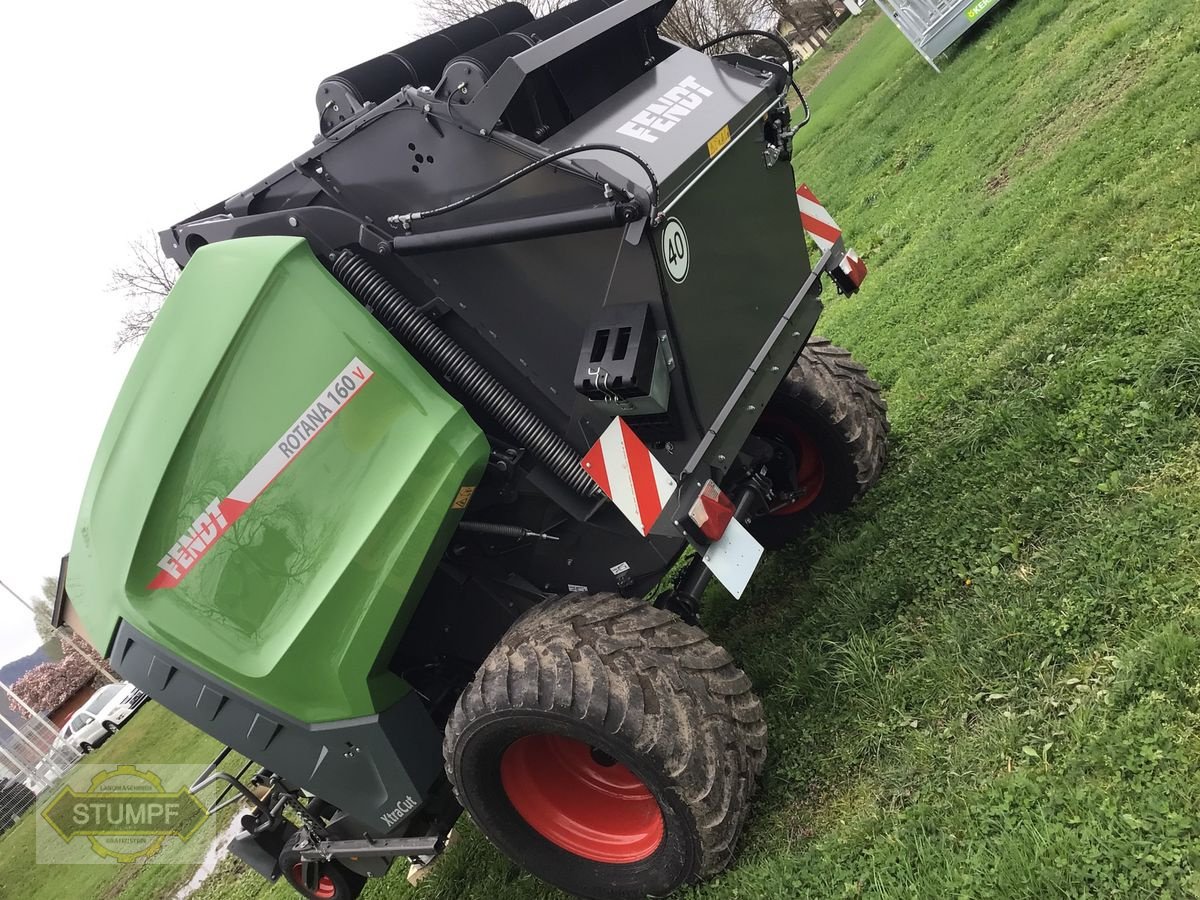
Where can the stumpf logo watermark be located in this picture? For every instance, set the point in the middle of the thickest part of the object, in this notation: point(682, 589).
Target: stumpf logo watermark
point(664, 114)
point(122, 814)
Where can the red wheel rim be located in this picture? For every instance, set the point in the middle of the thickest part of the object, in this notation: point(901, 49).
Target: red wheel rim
point(810, 467)
point(581, 800)
point(325, 887)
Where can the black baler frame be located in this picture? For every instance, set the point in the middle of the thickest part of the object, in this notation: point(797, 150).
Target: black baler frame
point(348, 195)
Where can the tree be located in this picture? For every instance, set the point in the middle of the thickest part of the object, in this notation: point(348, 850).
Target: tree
point(145, 282)
point(692, 22)
point(443, 13)
point(59, 643)
point(42, 608)
point(696, 22)
point(48, 686)
point(806, 16)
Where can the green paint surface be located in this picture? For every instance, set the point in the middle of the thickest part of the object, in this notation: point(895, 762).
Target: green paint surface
point(300, 602)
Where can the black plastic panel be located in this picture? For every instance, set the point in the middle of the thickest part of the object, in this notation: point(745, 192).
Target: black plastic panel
point(366, 767)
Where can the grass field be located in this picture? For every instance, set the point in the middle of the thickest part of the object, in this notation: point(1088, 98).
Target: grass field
point(813, 70)
point(152, 736)
point(985, 681)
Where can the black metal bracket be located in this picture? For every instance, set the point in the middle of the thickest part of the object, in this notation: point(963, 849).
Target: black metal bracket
point(684, 598)
point(489, 103)
point(327, 229)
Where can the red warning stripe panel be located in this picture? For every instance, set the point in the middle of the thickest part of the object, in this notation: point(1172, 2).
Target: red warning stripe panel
point(806, 192)
point(593, 462)
point(629, 475)
point(816, 219)
point(818, 230)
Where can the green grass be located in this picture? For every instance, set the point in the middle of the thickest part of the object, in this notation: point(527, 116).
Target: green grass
point(985, 680)
point(813, 70)
point(152, 736)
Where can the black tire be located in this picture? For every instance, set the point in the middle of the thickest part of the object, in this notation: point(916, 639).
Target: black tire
point(85, 748)
point(628, 691)
point(109, 727)
point(830, 408)
point(334, 881)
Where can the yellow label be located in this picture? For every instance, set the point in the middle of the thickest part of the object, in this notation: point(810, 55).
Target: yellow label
point(718, 141)
point(463, 498)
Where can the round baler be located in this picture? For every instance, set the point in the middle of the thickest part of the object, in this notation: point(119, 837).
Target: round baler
point(429, 413)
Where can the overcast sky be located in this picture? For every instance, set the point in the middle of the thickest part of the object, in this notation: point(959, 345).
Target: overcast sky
point(120, 118)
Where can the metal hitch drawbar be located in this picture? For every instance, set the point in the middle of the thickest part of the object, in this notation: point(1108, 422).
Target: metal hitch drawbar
point(364, 848)
point(321, 851)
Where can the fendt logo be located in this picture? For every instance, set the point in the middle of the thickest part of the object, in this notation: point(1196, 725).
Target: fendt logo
point(665, 113)
point(219, 516)
point(194, 542)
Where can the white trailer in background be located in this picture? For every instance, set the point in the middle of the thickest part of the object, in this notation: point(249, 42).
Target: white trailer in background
point(933, 25)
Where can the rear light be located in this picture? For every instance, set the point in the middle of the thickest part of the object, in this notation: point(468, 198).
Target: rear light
point(849, 274)
point(712, 511)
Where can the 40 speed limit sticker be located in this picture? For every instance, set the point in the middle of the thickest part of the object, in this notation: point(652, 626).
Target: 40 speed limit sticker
point(675, 250)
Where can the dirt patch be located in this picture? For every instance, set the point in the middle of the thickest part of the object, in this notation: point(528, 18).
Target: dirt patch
point(997, 182)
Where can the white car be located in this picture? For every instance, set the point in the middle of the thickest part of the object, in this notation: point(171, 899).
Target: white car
point(101, 716)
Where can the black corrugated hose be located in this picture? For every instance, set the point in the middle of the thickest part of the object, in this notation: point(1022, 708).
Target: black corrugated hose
point(422, 336)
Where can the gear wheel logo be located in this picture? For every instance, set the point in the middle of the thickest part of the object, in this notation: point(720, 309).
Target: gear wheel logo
point(125, 813)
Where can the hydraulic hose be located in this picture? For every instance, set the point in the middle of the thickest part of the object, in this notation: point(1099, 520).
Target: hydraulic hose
point(787, 54)
point(406, 219)
point(422, 336)
point(498, 529)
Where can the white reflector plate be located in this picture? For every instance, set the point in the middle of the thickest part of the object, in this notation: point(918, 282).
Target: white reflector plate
point(734, 557)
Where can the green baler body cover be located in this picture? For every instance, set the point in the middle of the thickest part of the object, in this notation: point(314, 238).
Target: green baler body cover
point(274, 487)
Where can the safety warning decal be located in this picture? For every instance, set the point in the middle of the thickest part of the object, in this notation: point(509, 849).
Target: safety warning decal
point(816, 219)
point(221, 512)
point(636, 483)
point(717, 142)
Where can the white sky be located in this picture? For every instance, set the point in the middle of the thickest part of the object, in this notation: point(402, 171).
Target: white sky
point(124, 117)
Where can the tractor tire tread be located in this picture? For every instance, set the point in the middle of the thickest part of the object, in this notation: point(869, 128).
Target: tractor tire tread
point(832, 382)
point(623, 666)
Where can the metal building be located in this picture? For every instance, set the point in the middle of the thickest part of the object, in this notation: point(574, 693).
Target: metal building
point(933, 25)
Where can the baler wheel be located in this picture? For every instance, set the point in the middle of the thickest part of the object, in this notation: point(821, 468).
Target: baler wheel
point(831, 417)
point(334, 881)
point(608, 747)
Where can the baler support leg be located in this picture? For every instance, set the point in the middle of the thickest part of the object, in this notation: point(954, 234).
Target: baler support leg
point(684, 598)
